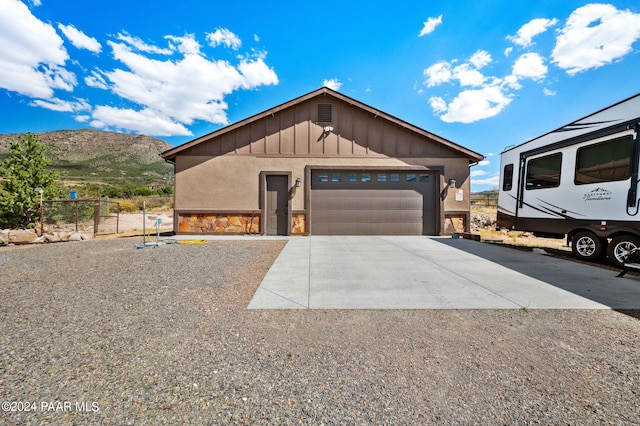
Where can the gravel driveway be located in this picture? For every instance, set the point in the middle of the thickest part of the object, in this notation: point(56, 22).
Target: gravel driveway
point(99, 332)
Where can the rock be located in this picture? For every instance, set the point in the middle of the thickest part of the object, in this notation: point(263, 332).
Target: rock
point(84, 237)
point(76, 236)
point(22, 236)
point(3, 241)
point(52, 238)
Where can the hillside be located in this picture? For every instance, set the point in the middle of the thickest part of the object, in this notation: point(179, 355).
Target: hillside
point(94, 155)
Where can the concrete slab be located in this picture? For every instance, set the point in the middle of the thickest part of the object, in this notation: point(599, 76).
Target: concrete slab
point(381, 272)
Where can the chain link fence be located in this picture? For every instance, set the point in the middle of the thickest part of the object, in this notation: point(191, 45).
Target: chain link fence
point(99, 216)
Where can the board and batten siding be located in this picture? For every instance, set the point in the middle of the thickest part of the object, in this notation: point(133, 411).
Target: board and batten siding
point(295, 132)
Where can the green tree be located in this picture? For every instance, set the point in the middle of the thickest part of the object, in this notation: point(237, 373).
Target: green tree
point(21, 174)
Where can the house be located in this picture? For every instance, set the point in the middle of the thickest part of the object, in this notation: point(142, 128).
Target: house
point(321, 164)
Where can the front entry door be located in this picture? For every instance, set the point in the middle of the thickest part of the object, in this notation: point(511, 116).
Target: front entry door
point(277, 205)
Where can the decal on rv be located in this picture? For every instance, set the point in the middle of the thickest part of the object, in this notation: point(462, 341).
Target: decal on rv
point(598, 194)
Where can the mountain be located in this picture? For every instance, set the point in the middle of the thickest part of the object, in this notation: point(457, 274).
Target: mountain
point(95, 155)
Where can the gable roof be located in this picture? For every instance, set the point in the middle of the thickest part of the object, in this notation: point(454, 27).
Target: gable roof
point(170, 154)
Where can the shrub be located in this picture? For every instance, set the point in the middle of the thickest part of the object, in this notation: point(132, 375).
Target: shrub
point(128, 206)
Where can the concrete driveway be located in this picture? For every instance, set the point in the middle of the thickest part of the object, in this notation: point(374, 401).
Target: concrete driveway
point(389, 272)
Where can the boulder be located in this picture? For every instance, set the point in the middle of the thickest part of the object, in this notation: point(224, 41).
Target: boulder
point(22, 236)
point(52, 238)
point(76, 236)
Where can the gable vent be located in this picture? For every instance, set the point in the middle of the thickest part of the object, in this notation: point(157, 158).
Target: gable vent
point(324, 113)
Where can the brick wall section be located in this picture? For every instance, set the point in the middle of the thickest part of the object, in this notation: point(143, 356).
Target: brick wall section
point(218, 223)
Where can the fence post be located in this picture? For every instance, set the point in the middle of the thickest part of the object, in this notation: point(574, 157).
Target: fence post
point(96, 216)
point(76, 203)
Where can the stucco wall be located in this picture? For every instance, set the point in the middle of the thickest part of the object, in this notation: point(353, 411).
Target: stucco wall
point(233, 182)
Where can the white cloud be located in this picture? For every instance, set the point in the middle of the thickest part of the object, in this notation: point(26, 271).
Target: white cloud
point(468, 76)
point(333, 84)
point(32, 55)
point(508, 51)
point(476, 172)
point(438, 73)
point(257, 73)
point(60, 105)
point(141, 46)
point(174, 93)
point(145, 121)
point(480, 59)
point(595, 35)
point(484, 162)
point(528, 31)
point(166, 88)
point(473, 105)
point(96, 80)
point(226, 37)
point(186, 44)
point(530, 65)
point(80, 39)
point(549, 92)
point(512, 82)
point(438, 104)
point(493, 181)
point(430, 25)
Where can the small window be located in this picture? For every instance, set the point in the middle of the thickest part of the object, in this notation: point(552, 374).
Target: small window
point(424, 177)
point(507, 174)
point(365, 177)
point(544, 172)
point(324, 113)
point(323, 177)
point(394, 177)
point(382, 177)
point(604, 162)
point(353, 177)
point(336, 177)
point(411, 177)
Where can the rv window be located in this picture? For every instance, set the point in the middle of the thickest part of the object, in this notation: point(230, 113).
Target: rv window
point(507, 176)
point(604, 162)
point(544, 172)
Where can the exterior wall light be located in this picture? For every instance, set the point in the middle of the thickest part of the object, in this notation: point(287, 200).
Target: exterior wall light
point(328, 129)
point(298, 182)
point(452, 183)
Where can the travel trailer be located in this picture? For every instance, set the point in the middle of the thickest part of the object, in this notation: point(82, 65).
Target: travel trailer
point(581, 181)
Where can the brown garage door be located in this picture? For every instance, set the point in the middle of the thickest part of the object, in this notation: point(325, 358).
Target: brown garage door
point(373, 203)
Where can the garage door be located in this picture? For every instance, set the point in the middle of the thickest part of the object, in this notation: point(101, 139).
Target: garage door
point(373, 203)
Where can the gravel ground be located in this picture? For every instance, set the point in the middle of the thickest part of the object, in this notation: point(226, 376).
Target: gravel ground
point(162, 336)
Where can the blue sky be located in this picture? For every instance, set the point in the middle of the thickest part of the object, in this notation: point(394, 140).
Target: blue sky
point(485, 75)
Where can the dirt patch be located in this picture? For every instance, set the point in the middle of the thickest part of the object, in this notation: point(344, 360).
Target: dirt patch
point(135, 223)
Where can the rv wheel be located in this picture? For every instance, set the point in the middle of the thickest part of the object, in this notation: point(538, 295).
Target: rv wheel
point(586, 246)
point(620, 247)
